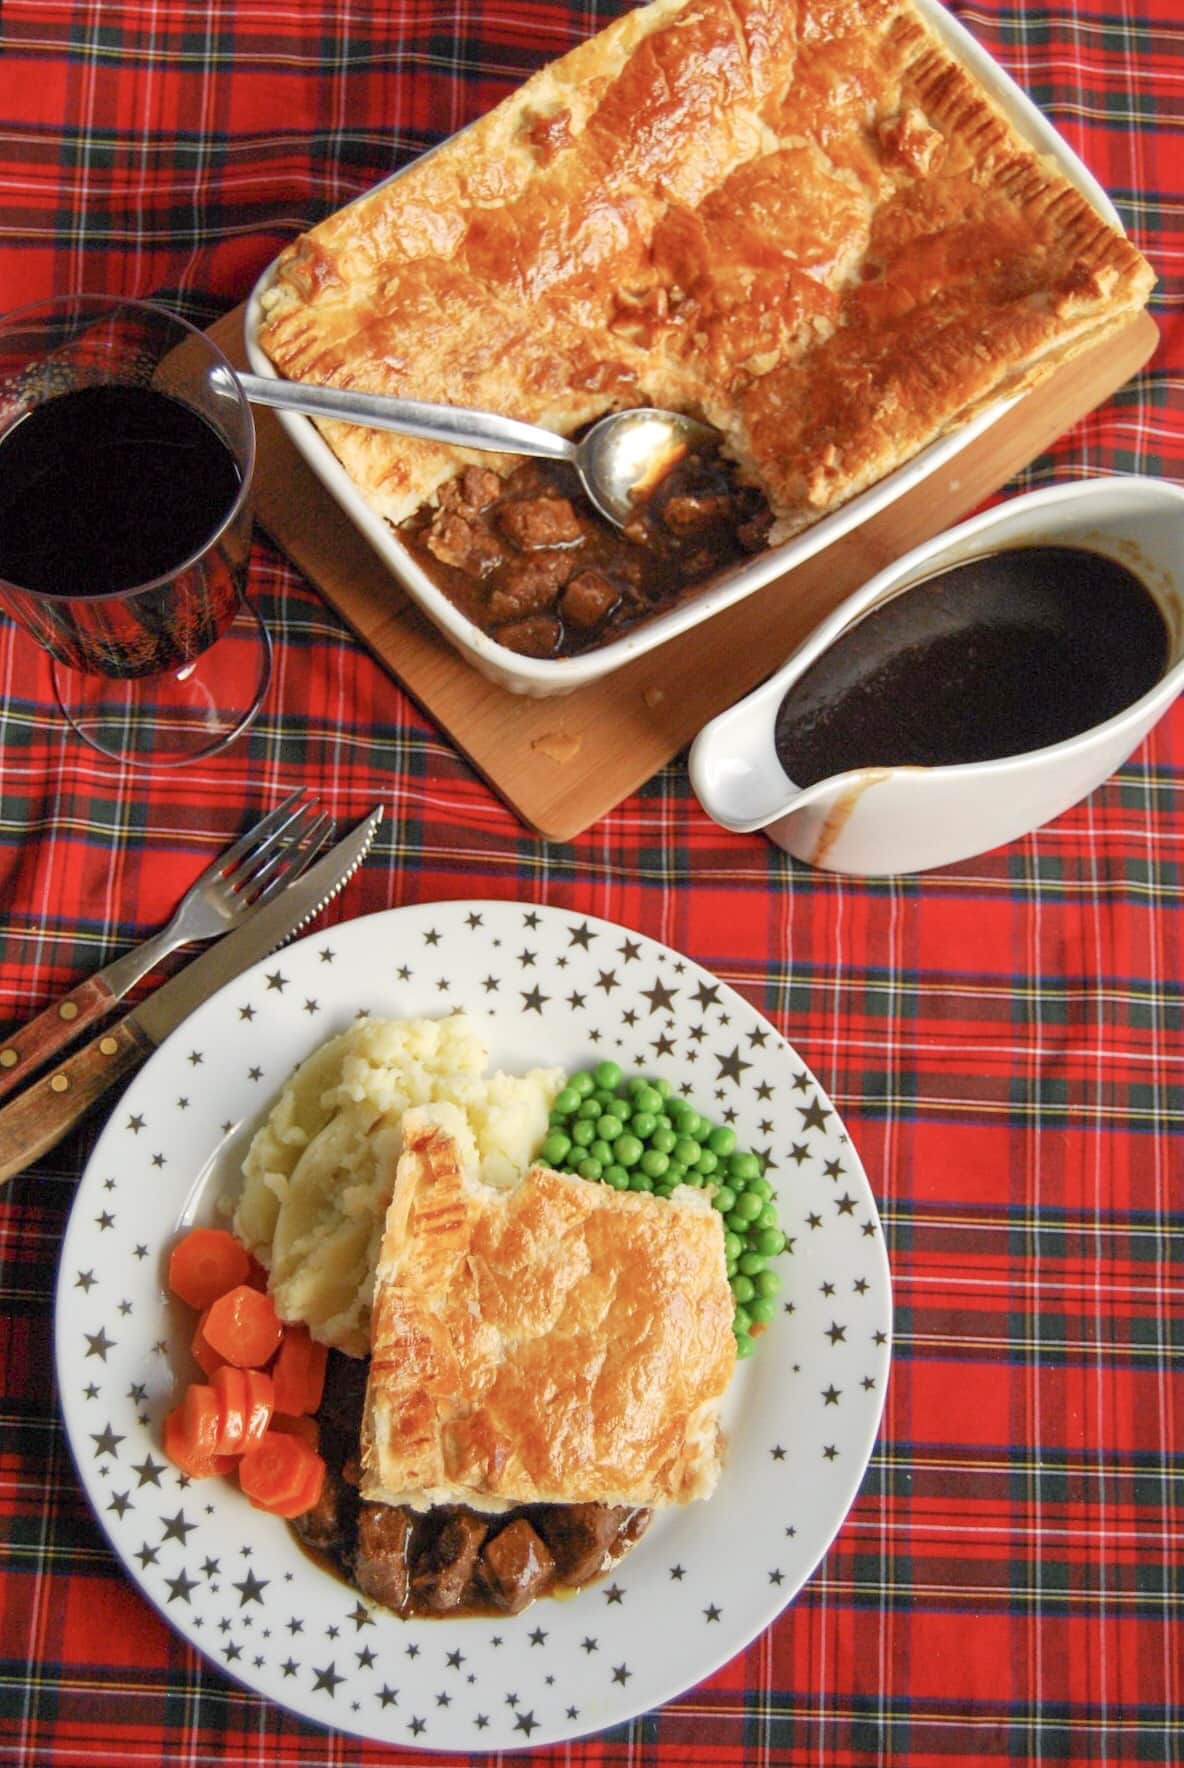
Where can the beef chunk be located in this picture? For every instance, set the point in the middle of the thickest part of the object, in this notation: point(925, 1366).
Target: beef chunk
point(468, 545)
point(584, 1538)
point(588, 599)
point(331, 1522)
point(532, 522)
point(527, 586)
point(516, 1566)
point(536, 636)
point(472, 491)
point(381, 1564)
point(443, 1570)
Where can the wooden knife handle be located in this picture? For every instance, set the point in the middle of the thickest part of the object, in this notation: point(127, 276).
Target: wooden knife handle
point(32, 1046)
point(36, 1121)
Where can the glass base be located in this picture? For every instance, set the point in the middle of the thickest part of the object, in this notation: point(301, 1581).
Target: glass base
point(171, 720)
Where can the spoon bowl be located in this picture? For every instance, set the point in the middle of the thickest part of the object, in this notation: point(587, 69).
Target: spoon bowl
point(619, 460)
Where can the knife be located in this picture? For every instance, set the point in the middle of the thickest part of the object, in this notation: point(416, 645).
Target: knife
point(38, 1118)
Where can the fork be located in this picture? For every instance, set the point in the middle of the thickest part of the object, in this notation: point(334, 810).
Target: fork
point(260, 863)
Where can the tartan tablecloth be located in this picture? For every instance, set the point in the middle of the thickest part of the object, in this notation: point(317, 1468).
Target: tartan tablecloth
point(1003, 1037)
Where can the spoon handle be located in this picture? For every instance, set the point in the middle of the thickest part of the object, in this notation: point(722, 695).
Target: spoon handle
point(411, 417)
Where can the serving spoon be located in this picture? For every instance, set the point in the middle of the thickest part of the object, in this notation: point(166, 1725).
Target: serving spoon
point(619, 460)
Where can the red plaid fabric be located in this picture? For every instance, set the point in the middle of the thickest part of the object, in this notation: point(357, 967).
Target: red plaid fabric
point(1003, 1037)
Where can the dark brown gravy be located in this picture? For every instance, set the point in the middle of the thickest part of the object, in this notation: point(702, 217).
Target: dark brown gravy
point(997, 656)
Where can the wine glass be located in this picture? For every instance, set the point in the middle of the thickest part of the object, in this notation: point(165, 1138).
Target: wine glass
point(126, 457)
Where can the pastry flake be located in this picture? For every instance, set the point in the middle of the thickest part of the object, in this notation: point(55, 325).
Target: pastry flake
point(803, 220)
point(559, 1342)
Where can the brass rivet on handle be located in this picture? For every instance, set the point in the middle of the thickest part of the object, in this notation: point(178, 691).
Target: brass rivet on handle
point(59, 1084)
point(9, 1058)
point(68, 1010)
point(108, 1046)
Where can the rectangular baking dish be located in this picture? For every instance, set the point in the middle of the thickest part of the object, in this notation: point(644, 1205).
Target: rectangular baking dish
point(540, 677)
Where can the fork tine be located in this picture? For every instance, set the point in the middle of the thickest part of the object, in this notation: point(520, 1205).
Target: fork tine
point(262, 831)
point(302, 853)
point(269, 853)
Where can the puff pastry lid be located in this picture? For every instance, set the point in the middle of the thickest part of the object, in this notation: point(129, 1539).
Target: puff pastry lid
point(802, 219)
point(557, 1342)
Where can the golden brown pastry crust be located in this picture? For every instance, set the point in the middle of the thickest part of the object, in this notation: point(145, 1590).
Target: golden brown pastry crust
point(559, 1342)
point(801, 219)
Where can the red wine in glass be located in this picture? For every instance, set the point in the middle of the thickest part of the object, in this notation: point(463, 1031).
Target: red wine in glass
point(112, 488)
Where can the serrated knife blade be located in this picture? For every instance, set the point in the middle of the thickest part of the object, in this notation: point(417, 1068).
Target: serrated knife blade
point(37, 1119)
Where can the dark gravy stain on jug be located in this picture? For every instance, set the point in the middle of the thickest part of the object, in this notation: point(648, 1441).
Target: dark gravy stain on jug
point(997, 656)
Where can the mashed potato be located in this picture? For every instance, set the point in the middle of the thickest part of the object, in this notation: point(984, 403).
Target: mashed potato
point(320, 1172)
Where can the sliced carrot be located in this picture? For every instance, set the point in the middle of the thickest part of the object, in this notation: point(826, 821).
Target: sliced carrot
point(204, 1355)
point(297, 1424)
point(299, 1371)
point(282, 1474)
point(186, 1453)
point(310, 1492)
point(243, 1327)
point(199, 1417)
point(204, 1264)
point(245, 1404)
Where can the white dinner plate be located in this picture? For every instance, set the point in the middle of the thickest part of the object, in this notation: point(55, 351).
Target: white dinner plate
point(549, 987)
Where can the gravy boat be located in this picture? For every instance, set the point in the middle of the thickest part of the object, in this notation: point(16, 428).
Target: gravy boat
point(882, 820)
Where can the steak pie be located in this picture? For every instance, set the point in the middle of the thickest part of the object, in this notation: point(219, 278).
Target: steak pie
point(803, 220)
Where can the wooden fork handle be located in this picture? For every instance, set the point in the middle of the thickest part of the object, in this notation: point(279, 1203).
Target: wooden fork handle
point(28, 1049)
point(36, 1121)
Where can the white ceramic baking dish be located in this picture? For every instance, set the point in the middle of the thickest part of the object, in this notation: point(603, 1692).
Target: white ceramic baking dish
point(541, 677)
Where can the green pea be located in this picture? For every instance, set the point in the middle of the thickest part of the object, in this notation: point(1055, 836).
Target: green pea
point(724, 1199)
point(702, 1130)
point(742, 1288)
point(751, 1263)
point(648, 1099)
point(616, 1176)
point(662, 1121)
point(744, 1345)
point(741, 1320)
point(588, 1108)
point(762, 1310)
point(733, 1246)
point(566, 1100)
point(744, 1167)
point(589, 1169)
point(738, 1223)
point(770, 1241)
point(600, 1149)
point(707, 1161)
point(679, 1175)
point(607, 1075)
point(748, 1205)
point(583, 1132)
point(643, 1124)
point(665, 1141)
point(640, 1181)
point(581, 1082)
point(628, 1150)
point(610, 1126)
point(686, 1149)
point(686, 1119)
point(654, 1162)
point(762, 1188)
point(637, 1083)
point(767, 1217)
point(721, 1140)
point(555, 1148)
point(663, 1188)
point(663, 1087)
point(768, 1283)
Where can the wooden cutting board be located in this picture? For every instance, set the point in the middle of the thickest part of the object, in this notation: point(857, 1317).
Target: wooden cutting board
point(562, 762)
